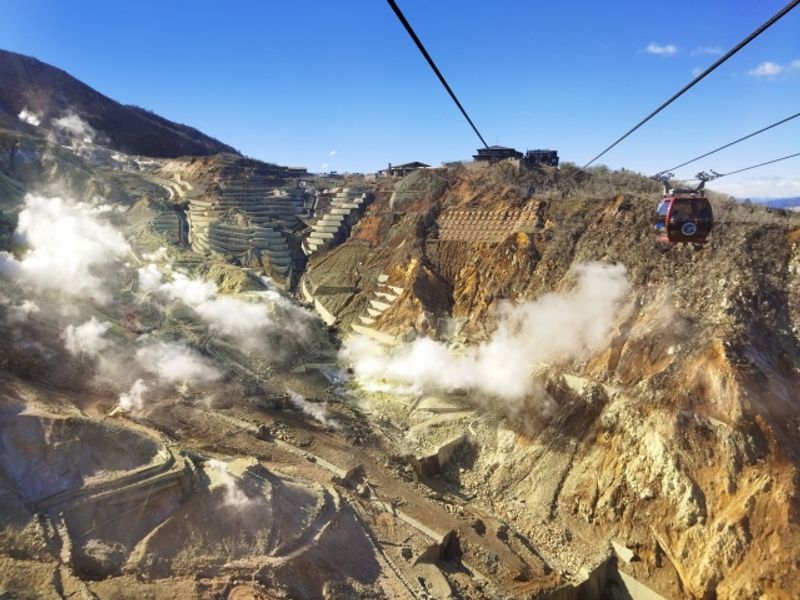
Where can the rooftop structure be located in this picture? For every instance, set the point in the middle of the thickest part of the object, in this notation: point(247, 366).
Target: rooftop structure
point(537, 158)
point(404, 169)
point(495, 154)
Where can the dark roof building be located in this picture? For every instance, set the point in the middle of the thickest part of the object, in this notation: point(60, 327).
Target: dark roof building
point(404, 169)
point(536, 158)
point(494, 154)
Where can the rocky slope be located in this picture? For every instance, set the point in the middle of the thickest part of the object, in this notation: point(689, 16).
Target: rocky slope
point(682, 441)
point(544, 402)
point(59, 103)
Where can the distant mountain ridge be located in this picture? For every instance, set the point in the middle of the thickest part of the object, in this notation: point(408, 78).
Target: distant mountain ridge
point(778, 202)
point(50, 93)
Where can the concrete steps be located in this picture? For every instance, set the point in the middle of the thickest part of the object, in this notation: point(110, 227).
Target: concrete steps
point(382, 300)
point(334, 222)
point(378, 305)
point(327, 316)
point(379, 336)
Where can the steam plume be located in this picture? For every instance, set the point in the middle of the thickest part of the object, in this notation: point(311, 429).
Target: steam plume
point(234, 496)
point(67, 242)
point(244, 321)
point(174, 362)
point(19, 313)
point(75, 128)
point(556, 327)
point(134, 399)
point(86, 339)
point(318, 412)
point(30, 117)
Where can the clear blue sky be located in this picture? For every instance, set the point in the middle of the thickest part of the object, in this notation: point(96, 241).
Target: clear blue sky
point(340, 84)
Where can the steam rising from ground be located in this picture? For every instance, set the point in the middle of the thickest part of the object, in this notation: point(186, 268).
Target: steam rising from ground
point(71, 249)
point(19, 313)
point(134, 399)
point(243, 321)
point(318, 412)
point(234, 496)
point(174, 362)
point(67, 242)
point(556, 327)
point(75, 128)
point(30, 117)
point(86, 339)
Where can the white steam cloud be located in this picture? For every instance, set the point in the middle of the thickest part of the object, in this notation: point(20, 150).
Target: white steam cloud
point(318, 412)
point(86, 339)
point(159, 255)
point(67, 241)
point(133, 400)
point(30, 117)
point(234, 496)
point(174, 362)
point(75, 128)
point(556, 327)
point(241, 320)
point(19, 313)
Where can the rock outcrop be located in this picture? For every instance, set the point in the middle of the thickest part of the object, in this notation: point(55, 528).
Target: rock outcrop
point(691, 460)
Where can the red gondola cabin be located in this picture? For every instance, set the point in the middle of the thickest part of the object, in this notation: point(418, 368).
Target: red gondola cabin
point(684, 216)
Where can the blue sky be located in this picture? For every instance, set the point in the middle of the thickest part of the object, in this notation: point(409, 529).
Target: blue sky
point(340, 84)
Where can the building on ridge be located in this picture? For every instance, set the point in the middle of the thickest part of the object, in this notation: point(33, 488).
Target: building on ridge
point(541, 158)
point(403, 170)
point(494, 154)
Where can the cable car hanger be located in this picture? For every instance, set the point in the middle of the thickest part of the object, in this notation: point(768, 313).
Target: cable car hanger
point(766, 25)
point(684, 215)
point(728, 145)
point(718, 175)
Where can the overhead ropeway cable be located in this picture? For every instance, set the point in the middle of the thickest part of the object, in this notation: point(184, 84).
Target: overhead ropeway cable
point(436, 70)
point(728, 145)
point(766, 25)
point(715, 175)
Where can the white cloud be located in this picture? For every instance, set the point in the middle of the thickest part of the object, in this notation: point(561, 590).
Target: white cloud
point(244, 321)
point(658, 50)
point(75, 128)
point(696, 71)
point(192, 292)
point(149, 278)
point(766, 69)
point(332, 152)
point(30, 117)
point(771, 70)
point(159, 255)
point(175, 362)
point(133, 400)
point(319, 412)
point(707, 50)
point(758, 187)
point(324, 166)
point(556, 327)
point(67, 243)
point(19, 313)
point(86, 339)
point(234, 496)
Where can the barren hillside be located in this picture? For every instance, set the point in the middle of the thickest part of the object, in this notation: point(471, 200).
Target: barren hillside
point(223, 378)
